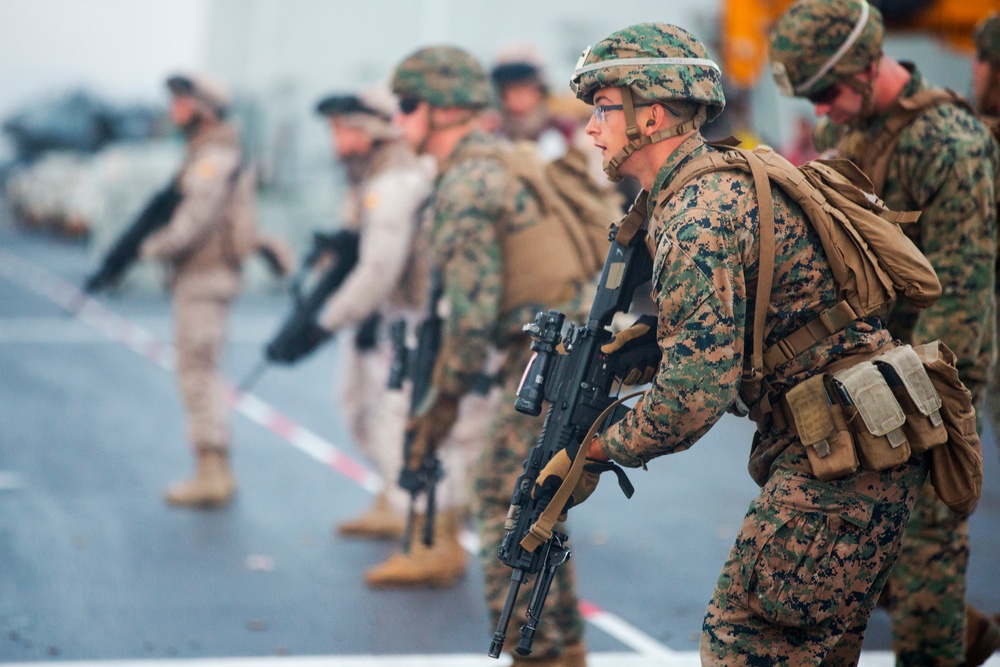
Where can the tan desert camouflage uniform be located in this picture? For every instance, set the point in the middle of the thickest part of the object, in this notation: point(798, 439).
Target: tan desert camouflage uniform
point(200, 246)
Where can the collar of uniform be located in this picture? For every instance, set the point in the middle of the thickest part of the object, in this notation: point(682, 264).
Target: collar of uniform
point(216, 133)
point(468, 142)
point(693, 145)
point(473, 138)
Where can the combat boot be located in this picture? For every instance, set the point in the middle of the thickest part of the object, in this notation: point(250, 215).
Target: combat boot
point(441, 565)
point(380, 522)
point(982, 636)
point(213, 484)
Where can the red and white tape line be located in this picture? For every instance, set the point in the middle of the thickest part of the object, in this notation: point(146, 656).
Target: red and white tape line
point(122, 330)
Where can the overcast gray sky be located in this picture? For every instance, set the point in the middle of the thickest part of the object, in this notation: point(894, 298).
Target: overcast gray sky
point(122, 48)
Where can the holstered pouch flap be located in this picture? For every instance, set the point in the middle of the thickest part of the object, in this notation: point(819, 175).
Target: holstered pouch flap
point(918, 384)
point(874, 401)
point(811, 412)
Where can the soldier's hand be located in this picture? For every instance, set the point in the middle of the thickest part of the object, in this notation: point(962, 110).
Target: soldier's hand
point(432, 423)
point(634, 353)
point(551, 477)
point(290, 351)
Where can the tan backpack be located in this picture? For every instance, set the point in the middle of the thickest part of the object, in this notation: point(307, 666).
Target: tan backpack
point(872, 260)
point(546, 263)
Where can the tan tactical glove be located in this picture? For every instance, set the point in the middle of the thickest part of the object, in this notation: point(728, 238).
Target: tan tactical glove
point(551, 477)
point(432, 423)
point(634, 353)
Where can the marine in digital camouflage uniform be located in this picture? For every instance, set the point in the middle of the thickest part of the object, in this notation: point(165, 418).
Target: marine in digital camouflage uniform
point(811, 557)
point(476, 201)
point(945, 164)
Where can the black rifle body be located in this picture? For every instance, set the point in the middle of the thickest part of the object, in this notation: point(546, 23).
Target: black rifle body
point(578, 386)
point(421, 477)
point(125, 250)
point(344, 246)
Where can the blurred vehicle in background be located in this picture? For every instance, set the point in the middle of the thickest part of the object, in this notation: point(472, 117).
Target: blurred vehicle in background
point(82, 164)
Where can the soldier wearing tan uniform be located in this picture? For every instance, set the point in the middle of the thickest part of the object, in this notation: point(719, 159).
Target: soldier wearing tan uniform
point(388, 187)
point(203, 245)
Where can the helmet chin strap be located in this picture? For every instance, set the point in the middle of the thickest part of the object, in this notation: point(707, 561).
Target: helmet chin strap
point(866, 89)
point(636, 139)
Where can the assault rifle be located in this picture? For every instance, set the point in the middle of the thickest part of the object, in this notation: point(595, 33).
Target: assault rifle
point(301, 334)
point(298, 336)
point(421, 470)
point(125, 250)
point(579, 387)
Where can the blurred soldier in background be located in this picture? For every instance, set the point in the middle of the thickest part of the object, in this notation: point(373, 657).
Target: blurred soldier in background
point(386, 187)
point(986, 95)
point(389, 186)
point(519, 82)
point(203, 245)
point(482, 217)
point(923, 150)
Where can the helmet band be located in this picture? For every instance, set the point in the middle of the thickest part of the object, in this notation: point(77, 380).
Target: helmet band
point(632, 62)
point(859, 27)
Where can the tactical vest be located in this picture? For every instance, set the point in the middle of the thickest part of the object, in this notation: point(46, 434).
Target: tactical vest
point(548, 262)
point(874, 160)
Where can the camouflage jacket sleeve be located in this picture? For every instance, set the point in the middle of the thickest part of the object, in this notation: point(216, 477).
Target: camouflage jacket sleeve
point(205, 188)
point(389, 209)
point(945, 166)
point(699, 333)
point(468, 207)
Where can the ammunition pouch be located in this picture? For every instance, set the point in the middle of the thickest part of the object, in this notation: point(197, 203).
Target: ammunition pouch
point(873, 416)
point(957, 467)
point(879, 411)
point(822, 429)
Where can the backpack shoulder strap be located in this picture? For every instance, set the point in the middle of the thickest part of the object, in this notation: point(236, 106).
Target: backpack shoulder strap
point(744, 160)
point(902, 113)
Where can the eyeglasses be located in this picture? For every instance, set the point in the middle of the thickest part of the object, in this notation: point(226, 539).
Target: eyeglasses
point(601, 110)
point(408, 105)
point(825, 96)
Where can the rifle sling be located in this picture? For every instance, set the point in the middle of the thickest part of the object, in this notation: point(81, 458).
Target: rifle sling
point(541, 531)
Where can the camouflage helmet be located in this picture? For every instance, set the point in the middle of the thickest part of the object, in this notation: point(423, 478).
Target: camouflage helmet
point(657, 61)
point(818, 43)
point(371, 110)
point(443, 76)
point(988, 40)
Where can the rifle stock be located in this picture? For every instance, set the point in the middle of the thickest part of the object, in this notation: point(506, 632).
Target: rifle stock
point(578, 386)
